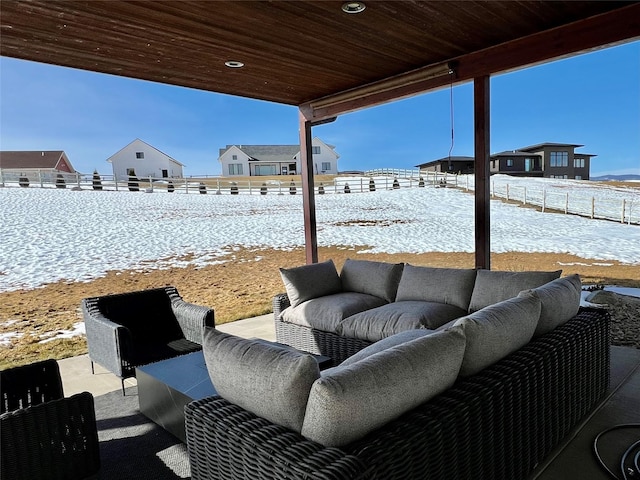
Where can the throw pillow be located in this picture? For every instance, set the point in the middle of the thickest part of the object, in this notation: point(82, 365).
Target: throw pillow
point(310, 281)
point(498, 330)
point(375, 278)
point(560, 300)
point(452, 286)
point(270, 381)
point(493, 286)
point(392, 341)
point(350, 401)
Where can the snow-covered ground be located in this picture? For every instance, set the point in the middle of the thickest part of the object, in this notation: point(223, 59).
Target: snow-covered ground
point(53, 234)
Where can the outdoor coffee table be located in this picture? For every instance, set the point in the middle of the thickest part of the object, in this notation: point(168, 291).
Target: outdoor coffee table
point(167, 386)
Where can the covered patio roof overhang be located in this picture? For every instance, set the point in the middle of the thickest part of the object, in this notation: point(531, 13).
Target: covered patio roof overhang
point(319, 55)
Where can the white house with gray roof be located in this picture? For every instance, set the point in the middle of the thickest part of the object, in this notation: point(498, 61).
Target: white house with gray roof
point(258, 160)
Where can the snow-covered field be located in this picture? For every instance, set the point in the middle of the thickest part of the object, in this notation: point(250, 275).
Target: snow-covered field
point(50, 234)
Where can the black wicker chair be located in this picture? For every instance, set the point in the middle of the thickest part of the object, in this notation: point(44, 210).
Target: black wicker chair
point(137, 328)
point(45, 435)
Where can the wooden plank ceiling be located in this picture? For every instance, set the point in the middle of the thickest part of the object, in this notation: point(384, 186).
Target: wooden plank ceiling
point(294, 52)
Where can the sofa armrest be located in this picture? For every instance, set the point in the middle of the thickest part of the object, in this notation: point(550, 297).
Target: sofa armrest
point(280, 302)
point(254, 448)
point(56, 439)
point(192, 318)
point(109, 344)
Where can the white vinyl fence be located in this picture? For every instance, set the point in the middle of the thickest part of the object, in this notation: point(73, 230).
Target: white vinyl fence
point(619, 206)
point(622, 206)
point(225, 185)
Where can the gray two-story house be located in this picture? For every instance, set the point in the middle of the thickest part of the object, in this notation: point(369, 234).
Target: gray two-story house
point(551, 160)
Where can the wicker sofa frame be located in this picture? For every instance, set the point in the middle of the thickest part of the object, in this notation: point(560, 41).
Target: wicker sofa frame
point(111, 343)
point(498, 424)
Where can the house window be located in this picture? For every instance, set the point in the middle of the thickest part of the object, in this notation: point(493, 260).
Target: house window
point(578, 177)
point(509, 162)
point(139, 154)
point(234, 157)
point(315, 150)
point(326, 166)
point(559, 159)
point(578, 163)
point(235, 169)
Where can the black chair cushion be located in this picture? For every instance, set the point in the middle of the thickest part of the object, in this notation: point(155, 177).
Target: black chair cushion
point(147, 314)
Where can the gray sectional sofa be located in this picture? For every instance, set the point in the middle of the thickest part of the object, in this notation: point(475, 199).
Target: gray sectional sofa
point(339, 314)
point(487, 394)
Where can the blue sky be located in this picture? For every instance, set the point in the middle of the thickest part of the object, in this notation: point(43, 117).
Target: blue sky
point(591, 99)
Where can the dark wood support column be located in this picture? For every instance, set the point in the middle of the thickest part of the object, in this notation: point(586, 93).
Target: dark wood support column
point(481, 109)
point(308, 194)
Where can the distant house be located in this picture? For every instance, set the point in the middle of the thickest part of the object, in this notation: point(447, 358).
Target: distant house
point(551, 160)
point(449, 164)
point(257, 160)
point(141, 160)
point(43, 162)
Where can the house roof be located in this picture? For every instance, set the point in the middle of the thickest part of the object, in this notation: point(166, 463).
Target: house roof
point(513, 153)
point(540, 146)
point(446, 159)
point(148, 145)
point(318, 57)
point(267, 153)
point(30, 159)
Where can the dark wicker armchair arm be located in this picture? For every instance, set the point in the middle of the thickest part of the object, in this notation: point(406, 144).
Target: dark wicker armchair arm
point(280, 302)
point(57, 439)
point(110, 344)
point(251, 448)
point(192, 318)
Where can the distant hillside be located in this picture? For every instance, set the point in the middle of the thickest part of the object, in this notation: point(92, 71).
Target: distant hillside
point(618, 178)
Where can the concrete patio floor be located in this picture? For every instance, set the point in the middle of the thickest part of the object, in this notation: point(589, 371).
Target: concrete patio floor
point(572, 459)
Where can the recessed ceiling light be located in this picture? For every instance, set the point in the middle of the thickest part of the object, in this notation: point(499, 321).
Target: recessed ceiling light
point(234, 64)
point(353, 7)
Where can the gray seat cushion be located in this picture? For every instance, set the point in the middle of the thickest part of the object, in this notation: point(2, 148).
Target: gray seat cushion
point(384, 321)
point(452, 286)
point(310, 281)
point(560, 301)
point(265, 379)
point(493, 286)
point(374, 278)
point(350, 401)
point(498, 330)
point(326, 313)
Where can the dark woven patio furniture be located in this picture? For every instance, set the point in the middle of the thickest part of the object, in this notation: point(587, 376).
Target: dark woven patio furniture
point(45, 435)
point(136, 328)
point(497, 424)
point(308, 339)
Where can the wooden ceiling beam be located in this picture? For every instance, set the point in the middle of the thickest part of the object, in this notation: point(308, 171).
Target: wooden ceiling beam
point(601, 31)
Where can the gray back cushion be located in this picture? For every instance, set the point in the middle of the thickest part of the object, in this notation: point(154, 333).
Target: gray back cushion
point(560, 300)
point(452, 286)
point(265, 379)
point(498, 330)
point(350, 401)
point(310, 281)
point(375, 278)
point(493, 286)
